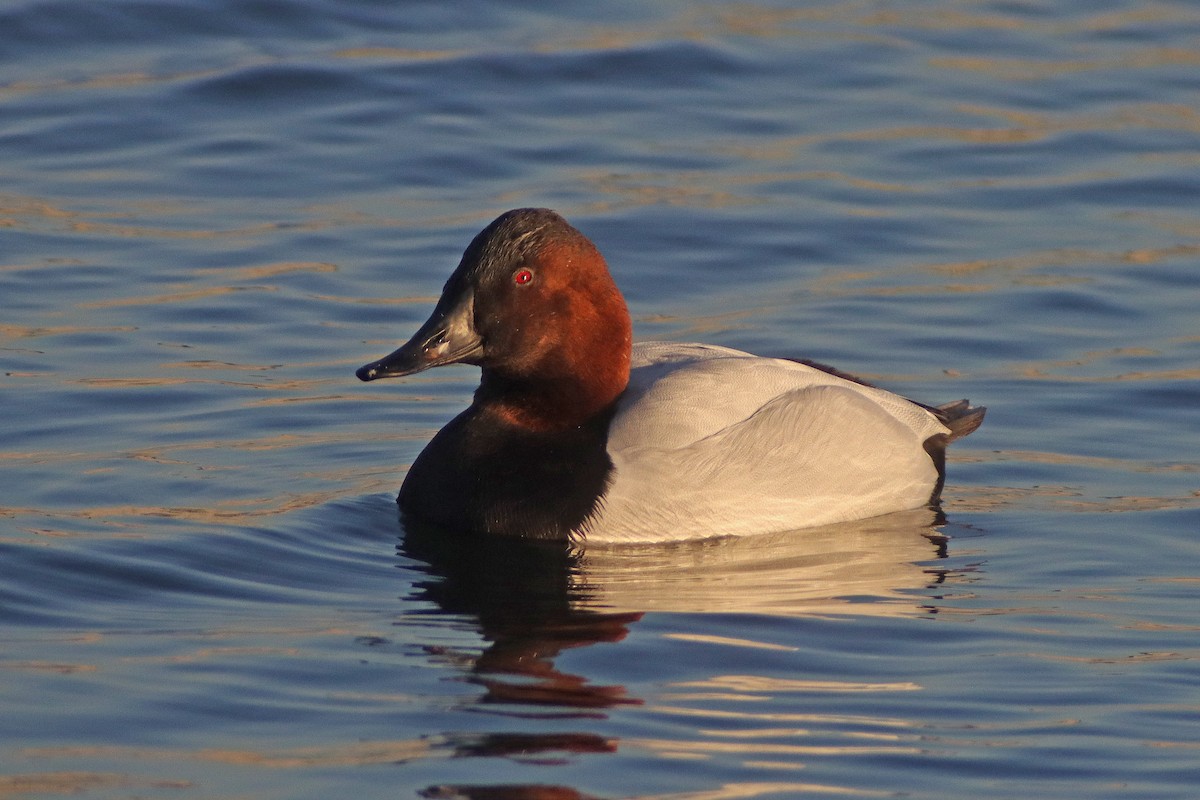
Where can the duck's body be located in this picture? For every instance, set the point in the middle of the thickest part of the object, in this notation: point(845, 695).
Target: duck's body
point(576, 434)
point(763, 444)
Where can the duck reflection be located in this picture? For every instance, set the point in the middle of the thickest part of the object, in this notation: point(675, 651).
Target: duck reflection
point(532, 601)
point(527, 600)
point(881, 566)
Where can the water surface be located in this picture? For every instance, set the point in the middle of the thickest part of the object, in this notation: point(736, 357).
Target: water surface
point(212, 212)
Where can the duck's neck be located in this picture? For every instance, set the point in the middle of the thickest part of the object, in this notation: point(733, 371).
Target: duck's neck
point(552, 401)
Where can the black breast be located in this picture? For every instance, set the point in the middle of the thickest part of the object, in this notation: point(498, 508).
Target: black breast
point(482, 476)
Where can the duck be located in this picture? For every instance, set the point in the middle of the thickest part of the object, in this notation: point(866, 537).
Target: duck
point(577, 434)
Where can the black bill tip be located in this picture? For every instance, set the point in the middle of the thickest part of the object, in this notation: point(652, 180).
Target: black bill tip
point(368, 372)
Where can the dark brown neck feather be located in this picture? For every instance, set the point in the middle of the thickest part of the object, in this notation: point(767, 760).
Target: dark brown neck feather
point(553, 400)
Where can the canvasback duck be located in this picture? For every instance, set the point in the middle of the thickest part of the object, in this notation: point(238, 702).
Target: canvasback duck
point(575, 433)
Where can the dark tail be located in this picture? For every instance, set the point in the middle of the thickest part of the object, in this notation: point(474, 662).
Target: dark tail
point(961, 419)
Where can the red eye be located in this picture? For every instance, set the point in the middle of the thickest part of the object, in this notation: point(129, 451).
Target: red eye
point(522, 277)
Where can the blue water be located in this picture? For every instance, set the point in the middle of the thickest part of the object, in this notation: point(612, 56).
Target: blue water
point(212, 212)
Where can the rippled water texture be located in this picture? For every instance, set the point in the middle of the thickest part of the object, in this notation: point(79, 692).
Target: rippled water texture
point(212, 212)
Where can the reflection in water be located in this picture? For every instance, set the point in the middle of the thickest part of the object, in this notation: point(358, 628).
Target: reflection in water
point(868, 567)
point(531, 601)
point(522, 596)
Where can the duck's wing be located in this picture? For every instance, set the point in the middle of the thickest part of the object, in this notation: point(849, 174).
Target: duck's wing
point(682, 393)
point(959, 416)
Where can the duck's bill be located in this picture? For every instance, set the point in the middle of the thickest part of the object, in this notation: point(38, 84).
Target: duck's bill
point(448, 337)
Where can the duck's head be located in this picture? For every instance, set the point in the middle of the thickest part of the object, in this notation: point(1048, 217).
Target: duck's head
point(532, 303)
